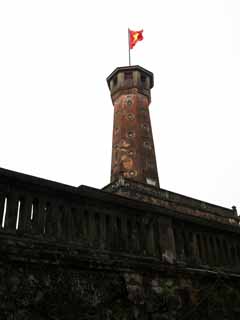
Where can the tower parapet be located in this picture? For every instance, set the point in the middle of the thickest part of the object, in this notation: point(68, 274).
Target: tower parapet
point(133, 154)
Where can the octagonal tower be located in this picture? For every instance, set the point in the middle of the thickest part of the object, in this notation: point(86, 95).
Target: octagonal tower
point(133, 154)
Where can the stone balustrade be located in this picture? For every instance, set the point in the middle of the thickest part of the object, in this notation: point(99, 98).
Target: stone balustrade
point(94, 219)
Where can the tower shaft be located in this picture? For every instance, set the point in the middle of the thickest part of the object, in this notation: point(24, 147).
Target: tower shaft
point(133, 154)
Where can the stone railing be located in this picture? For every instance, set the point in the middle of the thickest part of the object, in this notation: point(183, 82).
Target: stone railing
point(94, 219)
point(42, 209)
point(34, 206)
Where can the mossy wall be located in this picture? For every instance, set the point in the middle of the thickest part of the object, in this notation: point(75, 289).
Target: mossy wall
point(42, 292)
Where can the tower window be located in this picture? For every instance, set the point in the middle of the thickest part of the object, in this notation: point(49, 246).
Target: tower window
point(116, 131)
point(115, 81)
point(142, 109)
point(133, 173)
point(130, 116)
point(129, 102)
point(145, 126)
point(143, 78)
point(147, 145)
point(130, 134)
point(128, 75)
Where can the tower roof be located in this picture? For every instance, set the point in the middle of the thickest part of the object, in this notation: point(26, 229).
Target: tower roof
point(131, 68)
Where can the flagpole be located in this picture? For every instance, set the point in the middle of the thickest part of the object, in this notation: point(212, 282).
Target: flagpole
point(129, 55)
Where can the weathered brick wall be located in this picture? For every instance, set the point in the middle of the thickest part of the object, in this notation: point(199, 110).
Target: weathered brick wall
point(67, 291)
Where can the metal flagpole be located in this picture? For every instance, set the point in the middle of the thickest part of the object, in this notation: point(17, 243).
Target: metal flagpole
point(129, 55)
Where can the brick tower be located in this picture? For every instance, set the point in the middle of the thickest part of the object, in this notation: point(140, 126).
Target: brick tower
point(133, 154)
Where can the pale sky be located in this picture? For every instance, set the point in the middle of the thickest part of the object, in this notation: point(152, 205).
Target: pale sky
point(56, 111)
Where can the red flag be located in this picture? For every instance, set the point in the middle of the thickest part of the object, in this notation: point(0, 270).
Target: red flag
point(134, 37)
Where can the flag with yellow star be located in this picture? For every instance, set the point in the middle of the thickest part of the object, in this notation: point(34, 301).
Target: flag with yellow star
point(134, 37)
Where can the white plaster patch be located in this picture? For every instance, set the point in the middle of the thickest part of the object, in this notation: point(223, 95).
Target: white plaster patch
point(151, 182)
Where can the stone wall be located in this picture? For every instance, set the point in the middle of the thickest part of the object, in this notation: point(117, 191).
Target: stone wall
point(68, 291)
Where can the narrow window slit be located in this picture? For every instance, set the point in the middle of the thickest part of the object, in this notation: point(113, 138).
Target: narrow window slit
point(128, 75)
point(143, 78)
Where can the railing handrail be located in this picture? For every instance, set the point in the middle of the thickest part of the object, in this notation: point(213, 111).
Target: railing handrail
point(16, 177)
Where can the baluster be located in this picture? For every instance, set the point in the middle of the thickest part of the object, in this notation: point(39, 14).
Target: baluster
point(225, 252)
point(236, 254)
point(67, 228)
point(25, 214)
point(50, 222)
point(91, 227)
point(179, 243)
point(39, 216)
point(149, 238)
point(119, 233)
point(144, 234)
point(167, 240)
point(209, 250)
point(135, 238)
point(195, 253)
point(72, 228)
point(198, 248)
point(11, 213)
point(139, 244)
point(97, 229)
point(190, 240)
point(2, 203)
point(35, 214)
point(77, 222)
point(115, 235)
point(212, 250)
point(219, 252)
point(216, 250)
point(156, 237)
point(124, 233)
point(108, 231)
point(228, 252)
point(102, 239)
point(129, 235)
point(60, 222)
point(86, 224)
point(232, 253)
point(204, 250)
point(62, 234)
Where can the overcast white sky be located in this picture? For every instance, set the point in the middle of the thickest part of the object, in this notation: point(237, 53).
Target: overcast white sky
point(55, 108)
